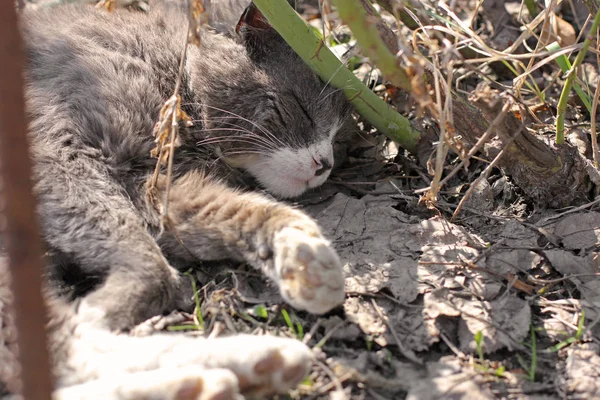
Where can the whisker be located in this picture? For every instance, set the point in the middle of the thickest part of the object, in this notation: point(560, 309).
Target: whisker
point(252, 141)
point(263, 149)
point(270, 139)
point(263, 129)
point(329, 94)
point(234, 115)
point(248, 134)
point(342, 65)
point(233, 153)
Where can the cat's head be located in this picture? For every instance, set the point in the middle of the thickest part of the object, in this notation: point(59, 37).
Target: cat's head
point(290, 116)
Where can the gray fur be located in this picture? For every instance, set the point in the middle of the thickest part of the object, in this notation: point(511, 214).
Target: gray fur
point(95, 85)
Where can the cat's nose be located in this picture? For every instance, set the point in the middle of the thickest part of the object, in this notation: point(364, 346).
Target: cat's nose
point(323, 165)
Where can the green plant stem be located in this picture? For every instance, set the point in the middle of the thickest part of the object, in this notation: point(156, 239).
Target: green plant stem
point(479, 343)
point(579, 332)
point(364, 28)
point(298, 34)
point(565, 65)
point(532, 7)
point(196, 300)
point(564, 95)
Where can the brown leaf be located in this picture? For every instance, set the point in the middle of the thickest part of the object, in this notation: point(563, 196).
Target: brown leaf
point(519, 284)
point(558, 30)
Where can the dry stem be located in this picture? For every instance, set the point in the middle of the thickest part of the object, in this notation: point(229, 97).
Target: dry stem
point(167, 128)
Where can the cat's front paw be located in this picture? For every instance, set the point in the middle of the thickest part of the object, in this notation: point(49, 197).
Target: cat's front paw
point(308, 270)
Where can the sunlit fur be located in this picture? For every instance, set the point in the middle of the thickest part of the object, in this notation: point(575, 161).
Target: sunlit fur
point(95, 85)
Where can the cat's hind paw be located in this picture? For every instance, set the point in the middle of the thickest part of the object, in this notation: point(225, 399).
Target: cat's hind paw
point(185, 383)
point(263, 365)
point(309, 272)
point(277, 365)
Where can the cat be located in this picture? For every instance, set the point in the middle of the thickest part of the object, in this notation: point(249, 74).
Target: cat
point(95, 85)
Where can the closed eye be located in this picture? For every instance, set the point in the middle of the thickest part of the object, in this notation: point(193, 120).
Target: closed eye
point(312, 122)
point(274, 102)
point(282, 120)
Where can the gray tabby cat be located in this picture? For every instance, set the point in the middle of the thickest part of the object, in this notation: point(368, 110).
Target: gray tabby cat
point(95, 85)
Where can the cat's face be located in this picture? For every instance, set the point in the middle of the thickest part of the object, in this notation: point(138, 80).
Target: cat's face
point(298, 119)
point(289, 148)
point(292, 118)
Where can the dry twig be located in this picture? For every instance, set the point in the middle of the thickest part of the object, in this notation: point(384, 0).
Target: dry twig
point(166, 130)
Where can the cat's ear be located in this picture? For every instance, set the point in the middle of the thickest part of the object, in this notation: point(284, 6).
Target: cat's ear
point(256, 32)
point(251, 18)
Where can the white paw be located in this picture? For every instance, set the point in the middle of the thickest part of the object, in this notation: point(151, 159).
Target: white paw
point(188, 382)
point(308, 271)
point(263, 365)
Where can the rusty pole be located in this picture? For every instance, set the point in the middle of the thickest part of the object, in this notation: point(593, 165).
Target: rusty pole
point(21, 234)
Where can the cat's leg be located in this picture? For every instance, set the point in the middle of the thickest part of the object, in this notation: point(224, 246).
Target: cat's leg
point(88, 217)
point(185, 383)
point(83, 353)
point(264, 365)
point(260, 365)
point(213, 221)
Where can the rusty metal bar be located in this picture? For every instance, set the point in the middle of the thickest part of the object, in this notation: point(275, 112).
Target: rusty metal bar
point(21, 233)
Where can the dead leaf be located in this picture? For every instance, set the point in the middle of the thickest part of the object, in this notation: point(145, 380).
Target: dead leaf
point(516, 234)
point(363, 232)
point(579, 231)
point(558, 30)
point(340, 329)
point(560, 322)
point(569, 264)
point(504, 323)
point(362, 313)
point(198, 17)
point(506, 261)
point(447, 379)
point(108, 5)
point(410, 324)
point(481, 198)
